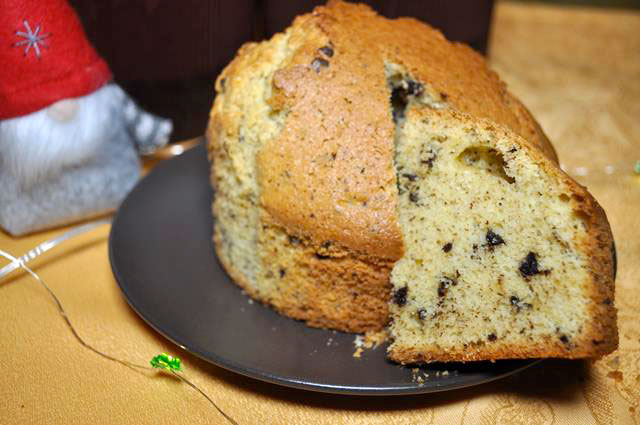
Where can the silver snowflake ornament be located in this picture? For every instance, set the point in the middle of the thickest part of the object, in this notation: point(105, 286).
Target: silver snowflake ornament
point(31, 39)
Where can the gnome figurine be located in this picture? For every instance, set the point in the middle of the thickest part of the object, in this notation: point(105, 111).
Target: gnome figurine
point(69, 136)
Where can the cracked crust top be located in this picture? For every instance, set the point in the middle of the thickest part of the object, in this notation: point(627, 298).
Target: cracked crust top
point(335, 151)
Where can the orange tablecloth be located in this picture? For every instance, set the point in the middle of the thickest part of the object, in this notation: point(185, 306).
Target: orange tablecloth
point(579, 72)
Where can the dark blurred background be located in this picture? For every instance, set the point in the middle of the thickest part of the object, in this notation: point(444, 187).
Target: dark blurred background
point(166, 54)
point(620, 4)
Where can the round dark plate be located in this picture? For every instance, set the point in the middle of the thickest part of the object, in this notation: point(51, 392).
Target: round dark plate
point(163, 259)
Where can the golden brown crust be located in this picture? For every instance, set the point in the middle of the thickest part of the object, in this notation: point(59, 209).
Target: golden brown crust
point(329, 175)
point(602, 337)
point(332, 287)
point(456, 74)
point(481, 352)
point(318, 284)
point(531, 128)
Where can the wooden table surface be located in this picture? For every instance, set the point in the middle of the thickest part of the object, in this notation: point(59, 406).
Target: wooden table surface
point(578, 70)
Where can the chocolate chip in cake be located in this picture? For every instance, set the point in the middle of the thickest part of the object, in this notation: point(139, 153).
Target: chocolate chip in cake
point(447, 247)
point(429, 159)
point(422, 314)
point(414, 88)
point(400, 95)
point(321, 256)
point(445, 283)
point(492, 337)
point(449, 281)
point(564, 339)
point(444, 96)
point(319, 63)
point(398, 103)
point(413, 197)
point(518, 304)
point(493, 239)
point(400, 296)
point(411, 177)
point(326, 50)
point(282, 272)
point(294, 240)
point(529, 266)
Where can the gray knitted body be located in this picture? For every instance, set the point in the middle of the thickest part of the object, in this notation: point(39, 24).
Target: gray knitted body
point(59, 167)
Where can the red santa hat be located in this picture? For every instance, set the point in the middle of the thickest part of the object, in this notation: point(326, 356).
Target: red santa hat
point(44, 56)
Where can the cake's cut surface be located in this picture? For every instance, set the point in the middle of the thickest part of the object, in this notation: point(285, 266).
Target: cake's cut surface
point(312, 210)
point(498, 256)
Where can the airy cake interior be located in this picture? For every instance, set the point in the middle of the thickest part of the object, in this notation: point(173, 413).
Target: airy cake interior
point(490, 262)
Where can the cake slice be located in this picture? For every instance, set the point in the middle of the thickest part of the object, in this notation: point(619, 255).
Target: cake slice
point(504, 255)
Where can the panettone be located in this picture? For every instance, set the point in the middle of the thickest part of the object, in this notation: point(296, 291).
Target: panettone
point(368, 172)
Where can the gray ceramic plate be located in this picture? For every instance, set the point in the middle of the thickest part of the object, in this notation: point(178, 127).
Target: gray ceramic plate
point(162, 256)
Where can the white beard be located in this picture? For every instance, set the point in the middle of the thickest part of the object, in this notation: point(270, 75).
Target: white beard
point(39, 146)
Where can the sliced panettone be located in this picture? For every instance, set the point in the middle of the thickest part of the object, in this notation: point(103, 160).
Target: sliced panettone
point(313, 137)
point(505, 256)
